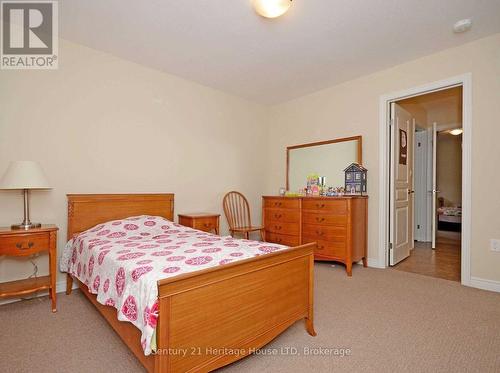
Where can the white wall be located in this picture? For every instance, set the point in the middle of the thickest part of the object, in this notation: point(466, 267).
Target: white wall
point(449, 168)
point(351, 108)
point(100, 124)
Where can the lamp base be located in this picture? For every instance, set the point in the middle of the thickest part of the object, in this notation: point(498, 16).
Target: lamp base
point(25, 226)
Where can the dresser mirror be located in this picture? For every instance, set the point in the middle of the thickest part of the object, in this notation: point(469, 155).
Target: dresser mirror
point(327, 159)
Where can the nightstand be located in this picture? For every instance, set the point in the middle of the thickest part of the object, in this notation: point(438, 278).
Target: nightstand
point(25, 243)
point(201, 221)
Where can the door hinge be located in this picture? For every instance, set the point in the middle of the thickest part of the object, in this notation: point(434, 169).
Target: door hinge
point(391, 122)
point(390, 246)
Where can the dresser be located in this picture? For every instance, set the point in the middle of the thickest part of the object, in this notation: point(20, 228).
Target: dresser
point(337, 224)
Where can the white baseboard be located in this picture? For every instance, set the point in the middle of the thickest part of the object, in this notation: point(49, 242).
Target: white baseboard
point(373, 263)
point(60, 288)
point(485, 284)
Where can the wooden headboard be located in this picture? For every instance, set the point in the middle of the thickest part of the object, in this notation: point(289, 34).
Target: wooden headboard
point(88, 210)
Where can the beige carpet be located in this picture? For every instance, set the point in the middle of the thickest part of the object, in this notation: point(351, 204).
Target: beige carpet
point(392, 321)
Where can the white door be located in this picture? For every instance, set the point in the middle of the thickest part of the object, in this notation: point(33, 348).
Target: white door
point(401, 232)
point(434, 190)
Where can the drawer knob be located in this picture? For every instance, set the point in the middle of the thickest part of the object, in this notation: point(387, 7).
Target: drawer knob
point(278, 227)
point(278, 216)
point(208, 225)
point(319, 220)
point(319, 233)
point(277, 203)
point(19, 245)
point(321, 247)
point(320, 205)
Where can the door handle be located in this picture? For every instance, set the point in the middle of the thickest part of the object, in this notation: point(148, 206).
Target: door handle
point(411, 191)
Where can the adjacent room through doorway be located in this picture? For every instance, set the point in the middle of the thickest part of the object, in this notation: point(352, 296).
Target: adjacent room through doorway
point(426, 184)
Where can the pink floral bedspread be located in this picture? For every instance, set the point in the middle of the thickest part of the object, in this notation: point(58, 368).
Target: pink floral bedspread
point(122, 260)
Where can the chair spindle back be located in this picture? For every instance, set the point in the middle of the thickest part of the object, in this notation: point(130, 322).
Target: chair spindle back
point(237, 210)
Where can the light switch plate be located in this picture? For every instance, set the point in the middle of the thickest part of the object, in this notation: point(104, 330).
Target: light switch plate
point(495, 245)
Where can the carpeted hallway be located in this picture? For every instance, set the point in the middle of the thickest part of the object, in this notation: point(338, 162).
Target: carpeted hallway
point(390, 320)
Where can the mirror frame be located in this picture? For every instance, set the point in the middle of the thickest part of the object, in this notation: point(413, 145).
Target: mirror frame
point(359, 139)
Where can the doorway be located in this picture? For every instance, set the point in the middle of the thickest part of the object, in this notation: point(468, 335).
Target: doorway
point(417, 215)
point(426, 184)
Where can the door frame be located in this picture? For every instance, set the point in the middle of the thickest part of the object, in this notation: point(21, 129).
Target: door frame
point(423, 163)
point(465, 81)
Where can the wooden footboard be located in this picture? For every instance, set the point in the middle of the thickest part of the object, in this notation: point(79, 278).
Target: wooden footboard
point(214, 317)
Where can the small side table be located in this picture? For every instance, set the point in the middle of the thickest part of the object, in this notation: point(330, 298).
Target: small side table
point(25, 243)
point(202, 221)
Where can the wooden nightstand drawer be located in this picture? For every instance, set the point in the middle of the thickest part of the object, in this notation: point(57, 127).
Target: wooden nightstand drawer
point(205, 224)
point(201, 221)
point(20, 245)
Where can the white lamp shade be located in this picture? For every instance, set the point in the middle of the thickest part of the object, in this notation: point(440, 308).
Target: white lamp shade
point(24, 175)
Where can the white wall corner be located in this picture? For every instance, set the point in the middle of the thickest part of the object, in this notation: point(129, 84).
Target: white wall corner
point(484, 284)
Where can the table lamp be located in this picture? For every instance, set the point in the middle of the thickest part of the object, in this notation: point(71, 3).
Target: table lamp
point(24, 175)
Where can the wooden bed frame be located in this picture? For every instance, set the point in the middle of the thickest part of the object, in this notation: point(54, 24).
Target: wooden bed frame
point(213, 317)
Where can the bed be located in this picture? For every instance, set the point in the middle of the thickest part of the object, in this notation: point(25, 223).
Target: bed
point(449, 219)
point(211, 317)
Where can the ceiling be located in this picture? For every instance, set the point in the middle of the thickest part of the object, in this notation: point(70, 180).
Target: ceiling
point(443, 107)
point(318, 43)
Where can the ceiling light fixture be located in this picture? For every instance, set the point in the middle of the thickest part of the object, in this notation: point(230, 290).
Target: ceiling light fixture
point(456, 131)
point(462, 26)
point(271, 8)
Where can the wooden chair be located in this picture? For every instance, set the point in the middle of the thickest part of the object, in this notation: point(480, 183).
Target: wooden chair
point(237, 211)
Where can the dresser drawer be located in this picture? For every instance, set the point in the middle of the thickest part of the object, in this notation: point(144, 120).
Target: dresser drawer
point(334, 207)
point(19, 245)
point(328, 249)
point(205, 224)
point(321, 232)
point(282, 239)
point(323, 218)
point(282, 215)
point(284, 203)
point(283, 228)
